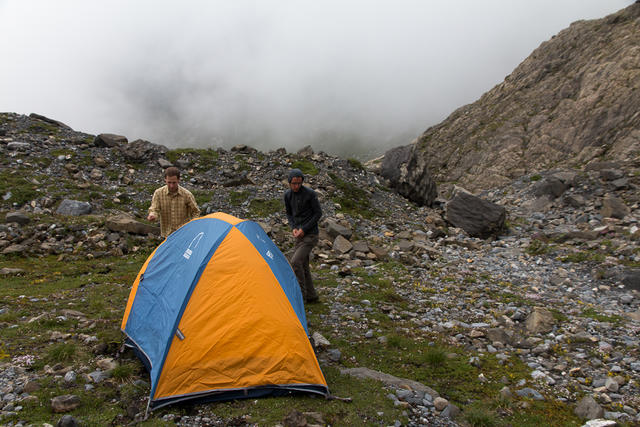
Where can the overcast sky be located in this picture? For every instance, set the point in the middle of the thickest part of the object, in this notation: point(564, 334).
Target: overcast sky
point(348, 77)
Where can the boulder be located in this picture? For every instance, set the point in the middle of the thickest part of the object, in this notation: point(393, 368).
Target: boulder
point(342, 245)
point(73, 207)
point(335, 229)
point(140, 151)
point(392, 161)
point(18, 145)
point(550, 186)
point(68, 421)
point(476, 216)
point(65, 403)
point(124, 223)
point(613, 207)
point(14, 249)
point(540, 321)
point(18, 217)
point(411, 177)
point(588, 409)
point(48, 120)
point(109, 140)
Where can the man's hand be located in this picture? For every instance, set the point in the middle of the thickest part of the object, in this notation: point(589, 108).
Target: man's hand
point(152, 217)
point(298, 233)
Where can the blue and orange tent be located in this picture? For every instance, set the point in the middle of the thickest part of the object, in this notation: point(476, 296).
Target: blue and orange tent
point(216, 313)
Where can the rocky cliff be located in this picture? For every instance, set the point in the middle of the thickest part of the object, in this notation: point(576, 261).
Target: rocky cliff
point(575, 99)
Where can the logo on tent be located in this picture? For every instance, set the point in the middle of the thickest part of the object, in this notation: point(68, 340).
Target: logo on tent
point(189, 251)
point(269, 254)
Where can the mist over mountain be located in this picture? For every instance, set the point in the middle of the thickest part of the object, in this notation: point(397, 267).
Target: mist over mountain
point(350, 79)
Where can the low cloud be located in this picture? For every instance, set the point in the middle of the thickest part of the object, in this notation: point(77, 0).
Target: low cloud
point(349, 78)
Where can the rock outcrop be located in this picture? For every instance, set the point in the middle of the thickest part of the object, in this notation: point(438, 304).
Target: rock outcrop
point(574, 100)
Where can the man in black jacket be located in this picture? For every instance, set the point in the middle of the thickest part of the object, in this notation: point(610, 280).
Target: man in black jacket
point(303, 212)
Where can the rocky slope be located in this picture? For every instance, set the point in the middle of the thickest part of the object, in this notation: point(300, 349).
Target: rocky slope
point(558, 289)
point(574, 100)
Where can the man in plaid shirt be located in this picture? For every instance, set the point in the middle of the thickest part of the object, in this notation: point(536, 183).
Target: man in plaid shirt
point(173, 204)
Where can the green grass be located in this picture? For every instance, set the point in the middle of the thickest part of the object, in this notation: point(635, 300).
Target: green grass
point(63, 352)
point(260, 208)
point(355, 163)
point(236, 198)
point(593, 314)
point(22, 191)
point(583, 256)
point(306, 166)
point(537, 247)
point(353, 199)
point(205, 158)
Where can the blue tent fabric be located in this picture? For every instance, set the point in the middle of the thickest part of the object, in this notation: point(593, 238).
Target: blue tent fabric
point(162, 293)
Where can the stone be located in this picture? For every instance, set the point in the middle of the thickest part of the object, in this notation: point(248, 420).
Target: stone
point(440, 403)
point(125, 223)
point(360, 246)
point(65, 403)
point(295, 419)
point(18, 145)
point(588, 408)
point(164, 163)
point(140, 151)
point(335, 229)
point(478, 217)
point(50, 121)
point(68, 421)
point(320, 341)
point(342, 245)
point(550, 186)
point(540, 321)
point(106, 364)
point(15, 249)
point(109, 140)
point(17, 217)
point(96, 174)
point(390, 380)
point(411, 176)
point(613, 207)
point(600, 423)
point(8, 271)
point(530, 393)
point(73, 207)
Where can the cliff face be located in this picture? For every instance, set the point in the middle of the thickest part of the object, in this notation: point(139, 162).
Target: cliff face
point(576, 98)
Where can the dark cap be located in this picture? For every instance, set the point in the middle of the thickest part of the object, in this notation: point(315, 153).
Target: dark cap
point(294, 173)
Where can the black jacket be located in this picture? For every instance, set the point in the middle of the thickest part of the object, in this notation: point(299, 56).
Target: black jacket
point(303, 209)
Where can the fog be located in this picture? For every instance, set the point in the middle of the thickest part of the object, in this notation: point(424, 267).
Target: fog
point(351, 78)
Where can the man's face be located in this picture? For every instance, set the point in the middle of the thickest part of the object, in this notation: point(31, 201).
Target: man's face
point(295, 184)
point(172, 182)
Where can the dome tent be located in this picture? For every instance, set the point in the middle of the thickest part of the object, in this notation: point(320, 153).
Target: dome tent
point(216, 313)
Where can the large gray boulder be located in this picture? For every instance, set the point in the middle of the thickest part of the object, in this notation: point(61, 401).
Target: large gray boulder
point(392, 161)
point(409, 174)
point(125, 223)
point(140, 151)
point(109, 140)
point(613, 207)
point(73, 207)
point(17, 217)
point(589, 409)
point(478, 217)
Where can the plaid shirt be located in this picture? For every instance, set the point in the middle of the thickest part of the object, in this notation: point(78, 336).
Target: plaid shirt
point(174, 210)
